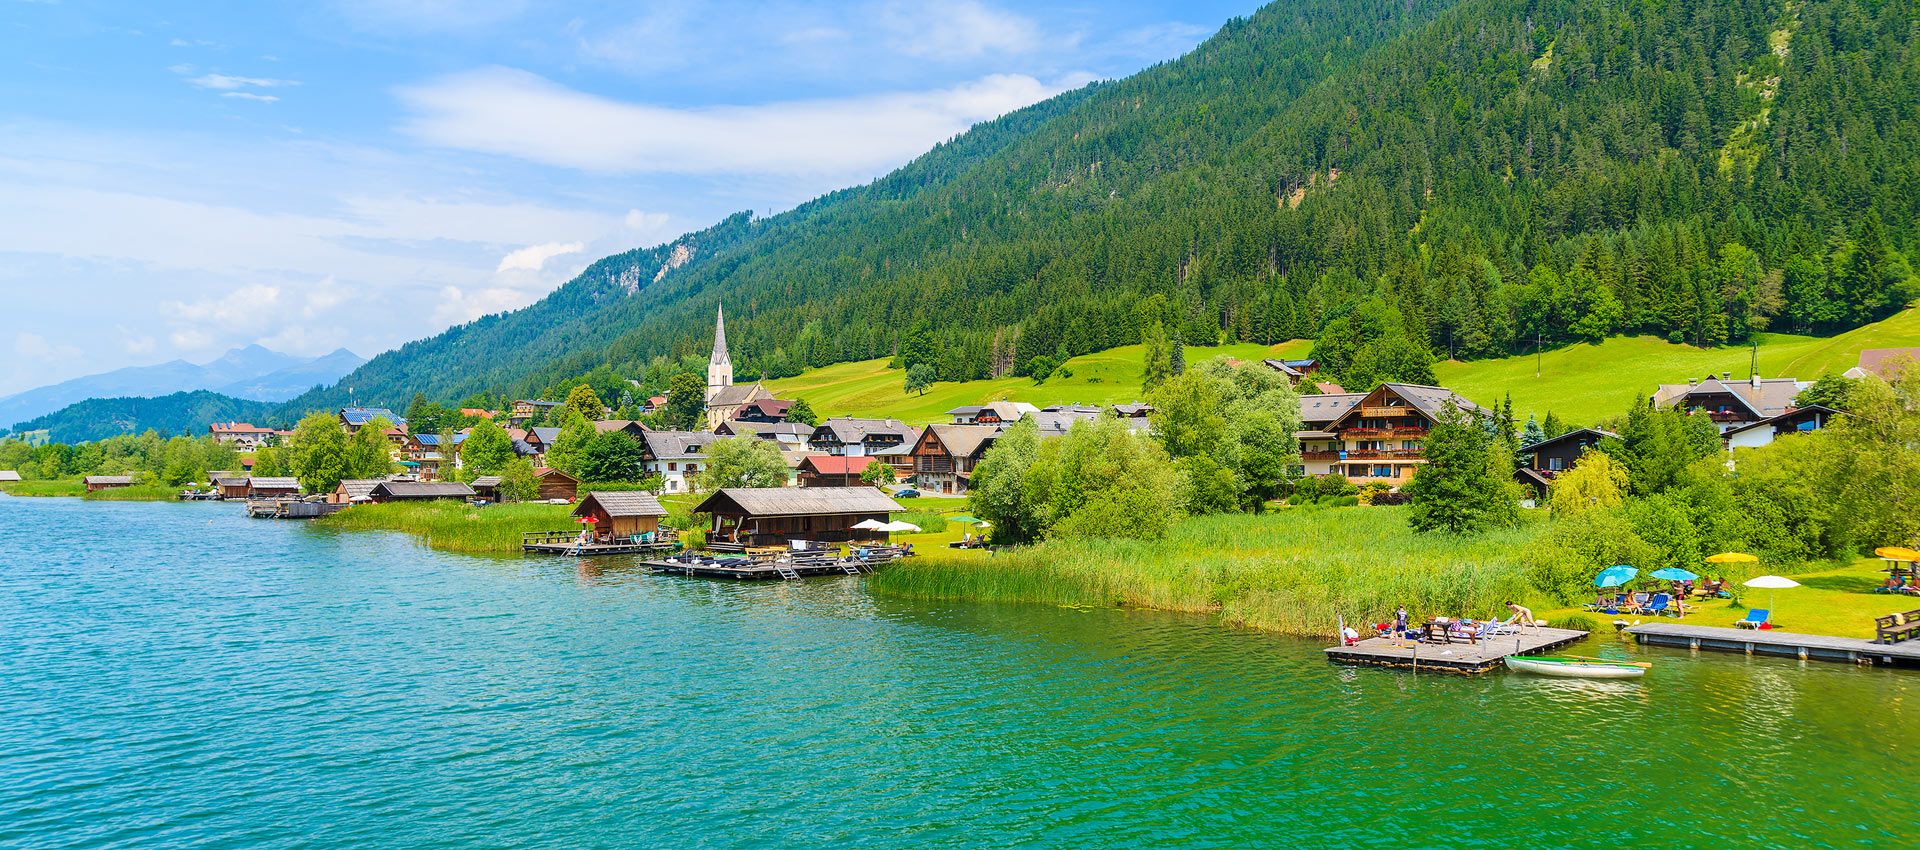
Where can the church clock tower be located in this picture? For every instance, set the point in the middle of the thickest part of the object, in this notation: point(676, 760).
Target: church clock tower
point(720, 365)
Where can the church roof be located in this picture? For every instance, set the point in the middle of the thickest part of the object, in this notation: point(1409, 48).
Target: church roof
point(720, 339)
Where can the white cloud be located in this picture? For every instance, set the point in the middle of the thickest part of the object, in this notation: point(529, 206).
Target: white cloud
point(224, 82)
point(645, 222)
point(263, 98)
point(533, 257)
point(191, 339)
point(35, 346)
point(515, 113)
point(957, 30)
point(238, 307)
point(135, 343)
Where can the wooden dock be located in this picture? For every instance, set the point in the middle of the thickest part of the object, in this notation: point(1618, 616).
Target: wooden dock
point(1771, 642)
point(1461, 657)
point(568, 543)
point(766, 570)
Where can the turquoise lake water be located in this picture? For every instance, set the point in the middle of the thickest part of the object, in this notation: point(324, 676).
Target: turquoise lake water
point(178, 676)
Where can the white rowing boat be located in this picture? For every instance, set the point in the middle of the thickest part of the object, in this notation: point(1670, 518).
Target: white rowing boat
point(1575, 667)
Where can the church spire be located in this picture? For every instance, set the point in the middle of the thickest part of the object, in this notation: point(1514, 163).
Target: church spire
point(720, 365)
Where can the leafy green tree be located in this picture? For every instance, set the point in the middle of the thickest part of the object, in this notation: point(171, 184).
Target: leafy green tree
point(319, 452)
point(916, 347)
point(1533, 435)
point(802, 413)
point(741, 462)
point(920, 376)
point(1206, 487)
point(686, 402)
point(1187, 416)
point(584, 401)
point(999, 488)
point(1159, 359)
point(1596, 481)
point(368, 453)
point(611, 456)
point(566, 452)
point(487, 448)
point(1829, 391)
point(268, 463)
point(1460, 490)
point(1553, 426)
point(878, 473)
point(1041, 368)
point(517, 481)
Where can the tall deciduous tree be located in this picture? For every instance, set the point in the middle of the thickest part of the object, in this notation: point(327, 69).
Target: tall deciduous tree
point(368, 452)
point(584, 401)
point(1595, 481)
point(741, 462)
point(1461, 488)
point(686, 402)
point(487, 449)
point(320, 452)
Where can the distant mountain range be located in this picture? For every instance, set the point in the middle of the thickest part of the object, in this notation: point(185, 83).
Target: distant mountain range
point(254, 373)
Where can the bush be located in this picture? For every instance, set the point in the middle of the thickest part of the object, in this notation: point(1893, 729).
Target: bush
point(1389, 498)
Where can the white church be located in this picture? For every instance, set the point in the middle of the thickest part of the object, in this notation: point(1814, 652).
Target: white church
point(724, 397)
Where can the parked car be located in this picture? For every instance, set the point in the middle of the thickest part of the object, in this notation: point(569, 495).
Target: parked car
point(906, 494)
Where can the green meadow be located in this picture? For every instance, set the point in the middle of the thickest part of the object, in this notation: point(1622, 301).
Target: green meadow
point(52, 487)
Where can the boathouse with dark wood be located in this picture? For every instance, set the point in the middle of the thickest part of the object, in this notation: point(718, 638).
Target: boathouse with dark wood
point(231, 486)
point(772, 516)
point(107, 482)
point(418, 491)
point(354, 491)
point(620, 514)
point(554, 484)
point(272, 487)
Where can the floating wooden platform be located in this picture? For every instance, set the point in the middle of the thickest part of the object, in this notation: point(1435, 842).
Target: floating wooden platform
point(758, 570)
point(1772, 642)
point(292, 510)
point(600, 548)
point(1451, 657)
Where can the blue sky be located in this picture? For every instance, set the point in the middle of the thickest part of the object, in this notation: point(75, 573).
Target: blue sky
point(176, 181)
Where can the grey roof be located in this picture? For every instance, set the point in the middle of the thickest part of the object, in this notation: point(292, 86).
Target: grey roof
point(1134, 409)
point(486, 481)
point(1574, 434)
point(1433, 400)
point(1282, 367)
point(1789, 416)
point(9, 475)
point(677, 444)
point(605, 425)
point(522, 447)
point(621, 503)
point(963, 440)
point(720, 337)
point(279, 483)
point(964, 410)
point(801, 501)
point(1326, 408)
point(230, 480)
point(764, 430)
point(848, 429)
point(1773, 397)
point(734, 395)
point(109, 479)
point(422, 489)
point(537, 402)
point(545, 436)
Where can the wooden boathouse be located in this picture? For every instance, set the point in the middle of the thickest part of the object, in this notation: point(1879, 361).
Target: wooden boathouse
point(772, 516)
point(418, 491)
point(618, 523)
point(107, 482)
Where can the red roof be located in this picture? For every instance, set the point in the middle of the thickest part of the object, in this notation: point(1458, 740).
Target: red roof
point(836, 464)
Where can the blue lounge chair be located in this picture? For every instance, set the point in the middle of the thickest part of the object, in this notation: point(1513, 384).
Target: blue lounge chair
point(1756, 617)
point(1658, 605)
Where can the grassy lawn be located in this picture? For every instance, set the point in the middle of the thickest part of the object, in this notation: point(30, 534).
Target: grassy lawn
point(58, 487)
point(1583, 383)
point(1293, 571)
point(1838, 602)
point(868, 388)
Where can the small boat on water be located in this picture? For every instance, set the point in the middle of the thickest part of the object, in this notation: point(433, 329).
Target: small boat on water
point(1577, 667)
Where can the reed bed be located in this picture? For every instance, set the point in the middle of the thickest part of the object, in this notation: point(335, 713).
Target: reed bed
point(57, 487)
point(454, 526)
point(1295, 572)
point(135, 493)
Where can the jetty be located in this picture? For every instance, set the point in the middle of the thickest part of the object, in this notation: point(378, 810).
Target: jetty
point(766, 565)
point(290, 509)
point(1778, 643)
point(1460, 656)
point(569, 543)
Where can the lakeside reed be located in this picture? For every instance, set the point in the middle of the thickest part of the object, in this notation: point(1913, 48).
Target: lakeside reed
point(55, 487)
point(135, 493)
point(1294, 572)
point(455, 526)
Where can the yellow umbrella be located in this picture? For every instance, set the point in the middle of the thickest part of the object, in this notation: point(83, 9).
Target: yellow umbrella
point(1897, 553)
point(1732, 558)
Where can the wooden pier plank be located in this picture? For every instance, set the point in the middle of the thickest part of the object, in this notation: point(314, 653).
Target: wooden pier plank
point(1775, 642)
point(1452, 657)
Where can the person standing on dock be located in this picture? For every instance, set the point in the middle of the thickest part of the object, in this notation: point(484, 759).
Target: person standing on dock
point(1524, 613)
point(1400, 621)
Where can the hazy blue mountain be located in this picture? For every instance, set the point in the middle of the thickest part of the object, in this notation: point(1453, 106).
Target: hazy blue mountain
point(253, 372)
point(176, 414)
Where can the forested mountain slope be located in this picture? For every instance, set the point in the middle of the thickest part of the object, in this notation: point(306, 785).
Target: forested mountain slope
point(1484, 174)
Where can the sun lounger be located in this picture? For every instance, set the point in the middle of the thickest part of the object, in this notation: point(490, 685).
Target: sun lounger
point(1756, 617)
point(1508, 626)
point(1658, 606)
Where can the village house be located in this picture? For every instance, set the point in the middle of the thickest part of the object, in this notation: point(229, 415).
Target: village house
point(418, 491)
point(1295, 371)
point(528, 409)
point(354, 418)
point(1884, 363)
point(1799, 420)
point(423, 454)
point(245, 435)
point(106, 482)
point(776, 516)
point(833, 471)
point(1544, 460)
point(945, 455)
point(676, 456)
point(767, 410)
point(790, 436)
point(1729, 403)
point(617, 515)
point(630, 427)
point(1374, 436)
point(992, 413)
point(845, 435)
point(272, 487)
point(477, 413)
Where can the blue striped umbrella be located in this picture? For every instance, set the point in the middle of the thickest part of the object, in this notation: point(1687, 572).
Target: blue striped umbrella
point(1675, 574)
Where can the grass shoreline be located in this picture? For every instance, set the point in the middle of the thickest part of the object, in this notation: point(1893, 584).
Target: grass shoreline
point(455, 526)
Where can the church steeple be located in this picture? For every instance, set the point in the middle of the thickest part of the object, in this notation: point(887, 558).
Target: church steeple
point(720, 365)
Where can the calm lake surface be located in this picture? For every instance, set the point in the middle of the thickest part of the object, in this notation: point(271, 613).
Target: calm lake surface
point(179, 676)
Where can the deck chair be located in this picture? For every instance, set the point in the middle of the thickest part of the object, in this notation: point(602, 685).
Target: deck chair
point(1756, 617)
point(1658, 606)
point(1508, 626)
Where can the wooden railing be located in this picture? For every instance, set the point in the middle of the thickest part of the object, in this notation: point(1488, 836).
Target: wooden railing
point(1366, 454)
point(1370, 410)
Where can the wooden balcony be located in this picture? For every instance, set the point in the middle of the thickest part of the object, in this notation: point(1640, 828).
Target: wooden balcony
point(1368, 454)
point(1409, 433)
point(1372, 411)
